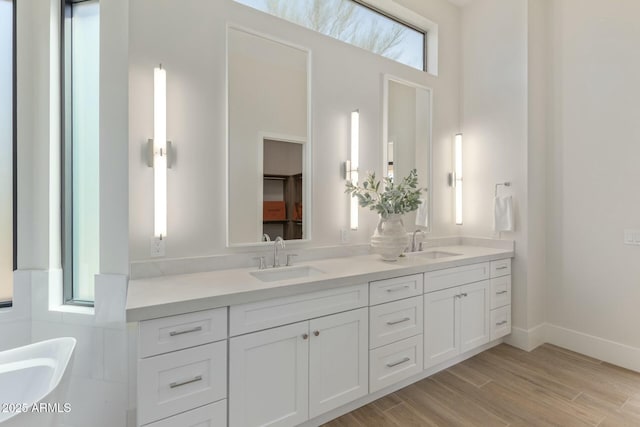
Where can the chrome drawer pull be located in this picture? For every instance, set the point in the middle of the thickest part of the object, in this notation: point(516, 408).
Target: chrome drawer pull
point(180, 384)
point(395, 322)
point(504, 267)
point(399, 288)
point(504, 322)
point(400, 362)
point(501, 292)
point(186, 331)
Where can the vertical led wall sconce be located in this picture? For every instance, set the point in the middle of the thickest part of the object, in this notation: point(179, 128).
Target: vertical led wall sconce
point(159, 149)
point(456, 177)
point(351, 165)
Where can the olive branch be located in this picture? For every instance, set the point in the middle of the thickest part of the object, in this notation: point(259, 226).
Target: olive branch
point(400, 198)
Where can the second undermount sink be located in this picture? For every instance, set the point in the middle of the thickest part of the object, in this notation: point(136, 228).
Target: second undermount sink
point(286, 273)
point(434, 254)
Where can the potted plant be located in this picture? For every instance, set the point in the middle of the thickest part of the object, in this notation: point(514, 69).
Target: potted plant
point(390, 201)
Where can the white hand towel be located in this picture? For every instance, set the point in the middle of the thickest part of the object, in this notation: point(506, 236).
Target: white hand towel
point(503, 214)
point(422, 217)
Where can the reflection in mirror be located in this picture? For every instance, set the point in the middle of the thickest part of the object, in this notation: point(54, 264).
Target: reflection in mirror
point(282, 190)
point(268, 145)
point(407, 139)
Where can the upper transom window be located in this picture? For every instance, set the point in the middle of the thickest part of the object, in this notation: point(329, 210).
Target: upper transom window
point(354, 23)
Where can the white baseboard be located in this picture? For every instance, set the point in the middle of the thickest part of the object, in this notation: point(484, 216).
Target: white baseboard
point(599, 348)
point(526, 339)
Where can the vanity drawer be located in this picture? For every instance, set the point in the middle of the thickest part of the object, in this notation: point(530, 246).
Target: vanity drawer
point(281, 311)
point(213, 415)
point(382, 291)
point(172, 333)
point(500, 322)
point(182, 380)
point(500, 292)
point(456, 276)
point(394, 321)
point(501, 267)
point(394, 362)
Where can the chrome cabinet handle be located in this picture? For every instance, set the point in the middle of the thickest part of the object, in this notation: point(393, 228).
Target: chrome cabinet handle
point(186, 331)
point(504, 322)
point(504, 267)
point(395, 322)
point(399, 362)
point(501, 292)
point(399, 288)
point(180, 384)
point(305, 336)
point(316, 333)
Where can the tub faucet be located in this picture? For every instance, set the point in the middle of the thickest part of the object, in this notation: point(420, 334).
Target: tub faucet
point(278, 242)
point(413, 241)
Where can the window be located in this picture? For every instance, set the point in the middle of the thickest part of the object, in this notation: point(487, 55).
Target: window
point(353, 23)
point(80, 149)
point(7, 152)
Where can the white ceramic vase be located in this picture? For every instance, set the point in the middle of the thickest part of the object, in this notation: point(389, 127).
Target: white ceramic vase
point(390, 238)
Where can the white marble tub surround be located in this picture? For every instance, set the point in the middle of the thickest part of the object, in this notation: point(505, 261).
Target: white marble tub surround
point(150, 298)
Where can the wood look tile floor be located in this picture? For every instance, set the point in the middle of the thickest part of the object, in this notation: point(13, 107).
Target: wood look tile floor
point(505, 386)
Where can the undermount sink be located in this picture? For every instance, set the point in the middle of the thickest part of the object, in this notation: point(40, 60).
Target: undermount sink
point(434, 254)
point(285, 273)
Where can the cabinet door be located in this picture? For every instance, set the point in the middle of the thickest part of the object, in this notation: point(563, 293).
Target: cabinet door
point(338, 360)
point(268, 377)
point(441, 331)
point(474, 315)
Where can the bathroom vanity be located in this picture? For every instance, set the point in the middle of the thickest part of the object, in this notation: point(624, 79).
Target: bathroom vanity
point(308, 343)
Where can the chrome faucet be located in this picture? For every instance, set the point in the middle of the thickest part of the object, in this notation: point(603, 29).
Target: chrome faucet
point(413, 241)
point(277, 242)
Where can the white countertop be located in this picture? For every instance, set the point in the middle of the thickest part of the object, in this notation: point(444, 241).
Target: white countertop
point(170, 295)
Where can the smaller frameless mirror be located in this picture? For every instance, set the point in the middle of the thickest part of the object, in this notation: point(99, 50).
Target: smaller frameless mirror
point(407, 138)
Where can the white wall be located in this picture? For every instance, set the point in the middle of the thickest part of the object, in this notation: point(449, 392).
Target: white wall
point(539, 117)
point(494, 49)
point(344, 78)
point(593, 180)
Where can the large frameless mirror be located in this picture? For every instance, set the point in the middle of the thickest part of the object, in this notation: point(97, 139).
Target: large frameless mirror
point(268, 143)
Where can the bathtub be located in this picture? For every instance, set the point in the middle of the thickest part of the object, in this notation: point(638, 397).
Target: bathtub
point(33, 382)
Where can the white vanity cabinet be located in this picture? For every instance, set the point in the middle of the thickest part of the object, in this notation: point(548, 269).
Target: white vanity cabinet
point(457, 317)
point(395, 330)
point(283, 361)
point(500, 298)
point(182, 370)
point(285, 375)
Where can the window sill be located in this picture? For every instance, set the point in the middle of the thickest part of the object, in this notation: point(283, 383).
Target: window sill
point(76, 309)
